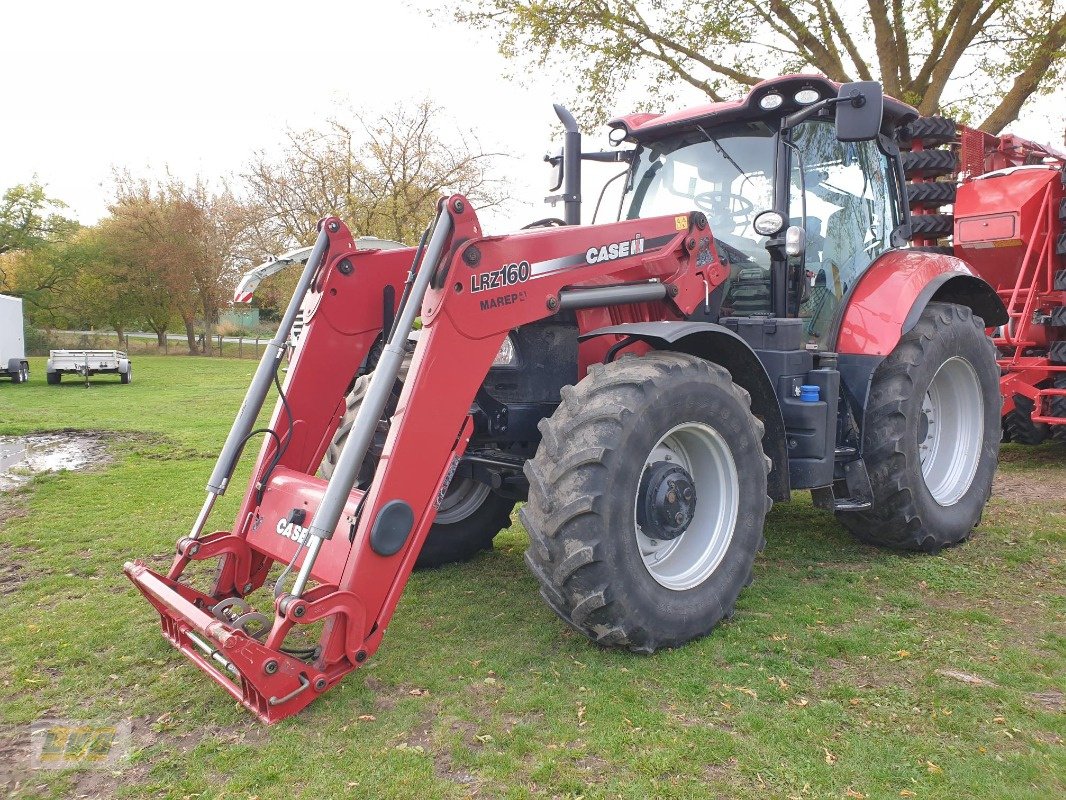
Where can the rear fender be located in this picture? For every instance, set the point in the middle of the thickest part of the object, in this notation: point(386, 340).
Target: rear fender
point(892, 294)
point(721, 346)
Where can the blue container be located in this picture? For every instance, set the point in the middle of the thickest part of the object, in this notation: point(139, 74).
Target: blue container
point(810, 394)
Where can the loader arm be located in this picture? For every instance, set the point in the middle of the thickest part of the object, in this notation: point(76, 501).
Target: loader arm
point(351, 552)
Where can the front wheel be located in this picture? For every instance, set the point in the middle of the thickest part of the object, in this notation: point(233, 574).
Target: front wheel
point(54, 377)
point(470, 514)
point(127, 376)
point(647, 499)
point(931, 434)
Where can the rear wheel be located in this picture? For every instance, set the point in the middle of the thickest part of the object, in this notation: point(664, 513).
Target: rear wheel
point(470, 514)
point(54, 377)
point(931, 434)
point(127, 376)
point(647, 500)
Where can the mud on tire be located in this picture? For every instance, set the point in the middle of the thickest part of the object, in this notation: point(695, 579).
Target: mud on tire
point(581, 514)
point(905, 514)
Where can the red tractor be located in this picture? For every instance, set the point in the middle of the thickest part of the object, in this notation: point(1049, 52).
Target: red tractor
point(752, 324)
point(1009, 204)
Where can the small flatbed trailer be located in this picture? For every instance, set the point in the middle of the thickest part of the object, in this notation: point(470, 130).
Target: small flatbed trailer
point(88, 362)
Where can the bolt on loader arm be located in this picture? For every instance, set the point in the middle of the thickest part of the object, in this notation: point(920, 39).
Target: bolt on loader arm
point(352, 550)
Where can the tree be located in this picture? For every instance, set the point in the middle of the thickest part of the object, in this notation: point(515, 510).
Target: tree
point(994, 55)
point(30, 223)
point(382, 177)
point(189, 239)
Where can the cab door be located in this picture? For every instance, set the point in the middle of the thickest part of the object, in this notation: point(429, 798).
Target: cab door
point(845, 190)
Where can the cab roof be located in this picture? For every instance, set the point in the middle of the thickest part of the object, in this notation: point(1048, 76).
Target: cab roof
point(643, 125)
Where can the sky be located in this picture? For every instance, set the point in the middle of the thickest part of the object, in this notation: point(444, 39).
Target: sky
point(196, 87)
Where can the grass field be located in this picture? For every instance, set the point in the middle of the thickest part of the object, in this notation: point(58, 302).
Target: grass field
point(847, 672)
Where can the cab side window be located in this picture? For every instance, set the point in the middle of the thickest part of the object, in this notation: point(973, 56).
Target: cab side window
point(850, 216)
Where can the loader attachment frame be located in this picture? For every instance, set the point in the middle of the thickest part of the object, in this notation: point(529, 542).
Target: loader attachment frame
point(348, 553)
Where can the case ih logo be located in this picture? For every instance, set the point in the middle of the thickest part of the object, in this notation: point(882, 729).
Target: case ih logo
point(298, 533)
point(615, 250)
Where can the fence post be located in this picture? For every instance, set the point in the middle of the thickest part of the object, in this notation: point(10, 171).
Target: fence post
point(240, 347)
point(220, 345)
point(257, 347)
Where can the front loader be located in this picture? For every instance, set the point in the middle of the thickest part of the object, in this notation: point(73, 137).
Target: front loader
point(752, 324)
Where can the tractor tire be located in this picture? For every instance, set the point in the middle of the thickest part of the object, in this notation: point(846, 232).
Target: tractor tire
point(930, 194)
point(470, 515)
point(929, 163)
point(54, 377)
point(1018, 425)
point(929, 131)
point(932, 226)
point(628, 446)
point(931, 434)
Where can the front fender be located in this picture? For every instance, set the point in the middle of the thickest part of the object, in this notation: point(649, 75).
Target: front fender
point(892, 294)
point(721, 346)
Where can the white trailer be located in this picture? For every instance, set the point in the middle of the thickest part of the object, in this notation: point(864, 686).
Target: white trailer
point(13, 363)
point(88, 362)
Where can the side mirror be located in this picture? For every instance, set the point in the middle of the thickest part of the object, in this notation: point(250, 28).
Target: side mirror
point(555, 180)
point(859, 108)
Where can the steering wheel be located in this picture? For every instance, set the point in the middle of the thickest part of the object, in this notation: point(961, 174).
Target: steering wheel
point(724, 208)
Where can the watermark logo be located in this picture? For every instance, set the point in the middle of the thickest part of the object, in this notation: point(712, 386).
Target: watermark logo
point(64, 743)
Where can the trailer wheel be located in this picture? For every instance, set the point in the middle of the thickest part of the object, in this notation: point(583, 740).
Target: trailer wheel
point(929, 163)
point(1058, 409)
point(647, 500)
point(470, 514)
point(930, 194)
point(54, 377)
point(931, 226)
point(127, 376)
point(929, 131)
point(1018, 425)
point(931, 434)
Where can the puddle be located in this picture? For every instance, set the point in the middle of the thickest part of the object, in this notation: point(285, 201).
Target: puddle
point(22, 457)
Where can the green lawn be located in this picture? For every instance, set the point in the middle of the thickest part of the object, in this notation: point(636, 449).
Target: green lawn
point(847, 672)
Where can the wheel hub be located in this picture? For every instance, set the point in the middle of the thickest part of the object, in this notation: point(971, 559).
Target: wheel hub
point(666, 502)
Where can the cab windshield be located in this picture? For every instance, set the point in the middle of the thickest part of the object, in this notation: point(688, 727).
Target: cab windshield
point(726, 171)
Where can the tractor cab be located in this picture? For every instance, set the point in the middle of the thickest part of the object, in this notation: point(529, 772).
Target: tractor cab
point(800, 185)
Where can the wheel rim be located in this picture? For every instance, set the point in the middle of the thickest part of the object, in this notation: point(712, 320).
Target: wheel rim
point(463, 498)
point(687, 561)
point(950, 431)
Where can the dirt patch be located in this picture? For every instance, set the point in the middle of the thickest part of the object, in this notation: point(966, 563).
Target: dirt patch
point(964, 677)
point(723, 769)
point(22, 457)
point(12, 576)
point(1051, 700)
point(1043, 486)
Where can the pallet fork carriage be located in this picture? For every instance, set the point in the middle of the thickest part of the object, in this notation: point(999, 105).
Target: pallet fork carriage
point(621, 376)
